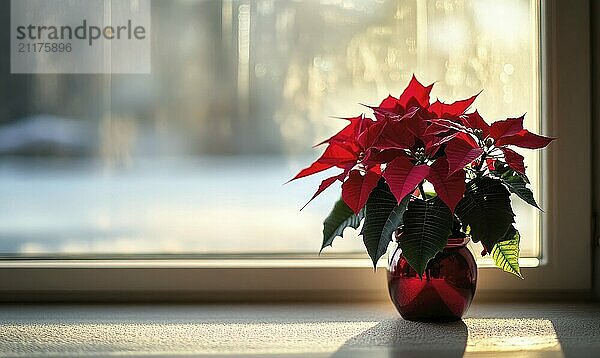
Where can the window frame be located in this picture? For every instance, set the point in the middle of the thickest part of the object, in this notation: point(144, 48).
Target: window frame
point(565, 93)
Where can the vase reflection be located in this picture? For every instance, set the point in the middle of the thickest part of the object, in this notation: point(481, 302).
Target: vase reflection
point(445, 291)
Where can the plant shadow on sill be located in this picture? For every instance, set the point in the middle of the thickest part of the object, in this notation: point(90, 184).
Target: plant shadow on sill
point(548, 330)
point(401, 338)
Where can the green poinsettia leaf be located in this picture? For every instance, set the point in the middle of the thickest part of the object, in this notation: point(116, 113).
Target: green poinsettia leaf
point(340, 217)
point(394, 220)
point(378, 209)
point(486, 209)
point(517, 183)
point(506, 252)
point(427, 225)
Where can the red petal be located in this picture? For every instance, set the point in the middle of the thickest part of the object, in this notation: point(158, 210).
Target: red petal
point(526, 139)
point(338, 154)
point(475, 121)
point(491, 163)
point(440, 125)
point(378, 156)
point(513, 159)
point(443, 110)
point(432, 146)
point(357, 188)
point(351, 131)
point(416, 125)
point(433, 143)
point(390, 104)
point(369, 137)
point(391, 109)
point(312, 169)
point(410, 112)
point(461, 153)
point(335, 155)
point(467, 138)
point(403, 176)
point(395, 135)
point(451, 188)
point(415, 94)
point(506, 128)
point(435, 128)
point(324, 185)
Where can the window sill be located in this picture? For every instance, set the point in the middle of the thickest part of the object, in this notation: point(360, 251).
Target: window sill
point(363, 330)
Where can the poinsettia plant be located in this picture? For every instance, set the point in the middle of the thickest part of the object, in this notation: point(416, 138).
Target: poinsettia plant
point(385, 161)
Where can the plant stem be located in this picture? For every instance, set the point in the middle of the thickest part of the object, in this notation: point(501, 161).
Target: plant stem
point(423, 195)
point(483, 157)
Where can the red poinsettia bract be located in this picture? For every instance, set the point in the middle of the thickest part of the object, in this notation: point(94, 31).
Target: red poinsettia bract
point(412, 140)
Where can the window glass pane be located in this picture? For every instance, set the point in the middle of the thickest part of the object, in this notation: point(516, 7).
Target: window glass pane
point(192, 158)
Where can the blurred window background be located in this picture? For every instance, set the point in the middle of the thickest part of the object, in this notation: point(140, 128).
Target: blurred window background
point(191, 158)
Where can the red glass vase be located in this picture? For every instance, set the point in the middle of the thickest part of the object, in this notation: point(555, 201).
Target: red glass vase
point(446, 290)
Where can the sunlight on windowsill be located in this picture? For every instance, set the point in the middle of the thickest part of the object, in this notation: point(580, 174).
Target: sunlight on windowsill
point(483, 335)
